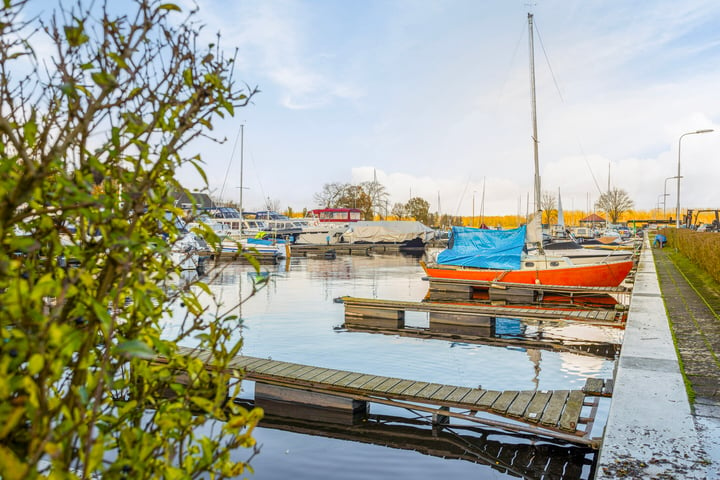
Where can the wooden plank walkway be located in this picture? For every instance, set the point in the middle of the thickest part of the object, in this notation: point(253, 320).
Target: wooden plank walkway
point(366, 306)
point(557, 414)
point(352, 249)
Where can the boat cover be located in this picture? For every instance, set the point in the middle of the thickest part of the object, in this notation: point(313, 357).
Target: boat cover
point(474, 247)
point(388, 232)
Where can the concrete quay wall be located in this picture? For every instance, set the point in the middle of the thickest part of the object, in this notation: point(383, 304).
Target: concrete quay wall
point(650, 431)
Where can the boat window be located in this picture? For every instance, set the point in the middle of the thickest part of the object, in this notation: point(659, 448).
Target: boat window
point(529, 264)
point(554, 264)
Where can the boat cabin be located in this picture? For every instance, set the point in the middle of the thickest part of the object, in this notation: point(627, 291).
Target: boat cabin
point(338, 215)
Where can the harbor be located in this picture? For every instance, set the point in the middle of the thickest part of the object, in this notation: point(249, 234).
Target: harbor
point(594, 411)
point(306, 251)
point(297, 319)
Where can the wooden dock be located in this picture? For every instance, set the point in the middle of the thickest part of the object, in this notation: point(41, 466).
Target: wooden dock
point(567, 415)
point(315, 250)
point(262, 258)
point(468, 314)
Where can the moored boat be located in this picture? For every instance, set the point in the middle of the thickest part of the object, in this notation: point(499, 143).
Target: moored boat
point(498, 256)
point(502, 256)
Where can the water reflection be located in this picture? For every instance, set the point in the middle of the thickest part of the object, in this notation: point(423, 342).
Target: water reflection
point(294, 318)
point(517, 455)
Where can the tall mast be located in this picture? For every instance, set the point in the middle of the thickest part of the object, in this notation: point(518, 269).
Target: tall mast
point(538, 209)
point(534, 113)
point(242, 149)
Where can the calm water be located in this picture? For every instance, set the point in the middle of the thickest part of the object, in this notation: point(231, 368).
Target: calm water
point(295, 319)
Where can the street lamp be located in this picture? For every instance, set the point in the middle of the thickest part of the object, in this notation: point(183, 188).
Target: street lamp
point(665, 195)
point(677, 208)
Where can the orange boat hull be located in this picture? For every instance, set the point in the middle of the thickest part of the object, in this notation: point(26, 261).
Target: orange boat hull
point(609, 274)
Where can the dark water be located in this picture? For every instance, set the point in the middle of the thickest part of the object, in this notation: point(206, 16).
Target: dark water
point(295, 319)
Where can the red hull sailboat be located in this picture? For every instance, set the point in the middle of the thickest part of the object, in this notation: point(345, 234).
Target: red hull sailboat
point(501, 256)
point(537, 271)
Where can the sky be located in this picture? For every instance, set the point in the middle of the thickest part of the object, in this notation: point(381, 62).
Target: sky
point(433, 98)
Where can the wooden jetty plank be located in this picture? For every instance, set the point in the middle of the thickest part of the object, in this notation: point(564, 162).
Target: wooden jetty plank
point(340, 374)
point(259, 362)
point(400, 387)
point(277, 368)
point(240, 362)
point(268, 368)
point(374, 383)
point(609, 385)
point(459, 394)
point(429, 389)
point(473, 396)
point(593, 386)
point(554, 408)
point(518, 407)
point(347, 379)
point(443, 392)
point(488, 399)
point(300, 371)
point(537, 406)
point(571, 412)
point(310, 374)
point(503, 401)
point(321, 376)
point(355, 382)
point(414, 389)
point(387, 384)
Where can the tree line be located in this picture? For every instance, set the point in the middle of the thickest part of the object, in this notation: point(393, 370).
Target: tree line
point(371, 198)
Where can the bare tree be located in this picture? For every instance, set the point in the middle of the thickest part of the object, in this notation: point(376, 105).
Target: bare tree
point(377, 193)
point(614, 203)
point(399, 211)
point(548, 205)
point(331, 194)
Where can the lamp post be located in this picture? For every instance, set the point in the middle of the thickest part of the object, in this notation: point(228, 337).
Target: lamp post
point(666, 195)
point(677, 208)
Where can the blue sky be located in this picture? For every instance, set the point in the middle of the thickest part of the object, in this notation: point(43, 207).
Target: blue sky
point(434, 97)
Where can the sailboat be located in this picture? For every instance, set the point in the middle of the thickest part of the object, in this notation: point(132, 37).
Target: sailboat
point(501, 256)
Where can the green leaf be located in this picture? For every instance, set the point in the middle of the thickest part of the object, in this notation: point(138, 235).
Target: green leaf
point(188, 77)
point(76, 35)
point(35, 364)
point(11, 467)
point(104, 79)
point(169, 6)
point(135, 348)
point(118, 59)
point(30, 132)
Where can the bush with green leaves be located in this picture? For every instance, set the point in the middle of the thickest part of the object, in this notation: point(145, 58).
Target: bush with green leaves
point(92, 134)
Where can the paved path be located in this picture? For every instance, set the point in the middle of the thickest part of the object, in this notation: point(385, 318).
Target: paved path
point(653, 431)
point(694, 314)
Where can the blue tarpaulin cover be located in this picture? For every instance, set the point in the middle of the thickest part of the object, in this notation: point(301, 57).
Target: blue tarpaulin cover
point(474, 247)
